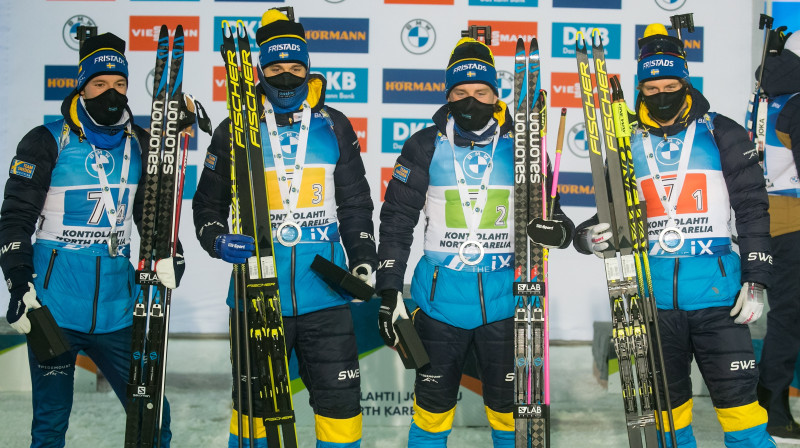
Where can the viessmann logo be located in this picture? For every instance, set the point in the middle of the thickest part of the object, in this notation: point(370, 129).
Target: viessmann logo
point(360, 128)
point(336, 35)
point(565, 36)
point(565, 89)
point(218, 92)
point(143, 35)
point(505, 34)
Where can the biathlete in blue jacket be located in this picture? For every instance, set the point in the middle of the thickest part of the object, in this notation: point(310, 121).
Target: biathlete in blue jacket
point(79, 264)
point(466, 303)
point(319, 200)
point(692, 166)
point(781, 83)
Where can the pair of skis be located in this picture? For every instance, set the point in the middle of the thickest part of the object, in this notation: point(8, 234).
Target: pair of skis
point(164, 175)
point(531, 332)
point(635, 332)
point(255, 283)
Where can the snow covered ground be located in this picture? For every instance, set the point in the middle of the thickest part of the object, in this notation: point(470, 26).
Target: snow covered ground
point(198, 386)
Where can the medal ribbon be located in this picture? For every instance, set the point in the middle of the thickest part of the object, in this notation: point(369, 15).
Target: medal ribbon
point(670, 202)
point(472, 216)
point(105, 189)
point(289, 194)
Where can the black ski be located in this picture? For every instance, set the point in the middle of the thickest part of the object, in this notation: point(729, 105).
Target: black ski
point(531, 398)
point(158, 240)
point(632, 305)
point(256, 282)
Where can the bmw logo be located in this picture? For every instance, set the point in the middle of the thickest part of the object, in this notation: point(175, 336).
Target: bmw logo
point(418, 36)
point(505, 85)
point(475, 163)
point(70, 30)
point(670, 5)
point(576, 141)
point(289, 141)
point(668, 152)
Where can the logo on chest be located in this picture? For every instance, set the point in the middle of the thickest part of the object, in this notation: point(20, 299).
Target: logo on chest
point(94, 160)
point(475, 163)
point(289, 142)
point(668, 152)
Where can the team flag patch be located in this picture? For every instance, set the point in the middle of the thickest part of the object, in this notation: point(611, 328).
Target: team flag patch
point(211, 161)
point(401, 173)
point(22, 168)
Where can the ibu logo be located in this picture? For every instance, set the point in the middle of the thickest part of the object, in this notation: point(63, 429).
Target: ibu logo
point(396, 131)
point(249, 23)
point(345, 85)
point(566, 34)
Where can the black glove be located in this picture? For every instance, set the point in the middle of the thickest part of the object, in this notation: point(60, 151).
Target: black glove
point(23, 298)
point(776, 41)
point(392, 308)
point(548, 233)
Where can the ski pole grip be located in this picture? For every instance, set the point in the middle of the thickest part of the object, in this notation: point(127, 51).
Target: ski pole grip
point(622, 126)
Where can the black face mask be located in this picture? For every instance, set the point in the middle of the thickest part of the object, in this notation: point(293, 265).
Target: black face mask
point(665, 105)
point(470, 114)
point(285, 81)
point(107, 108)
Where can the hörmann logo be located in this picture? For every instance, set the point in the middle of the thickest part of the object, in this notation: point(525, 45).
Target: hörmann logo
point(336, 35)
point(69, 31)
point(692, 42)
point(59, 81)
point(413, 86)
point(143, 35)
point(345, 85)
point(565, 36)
point(249, 23)
point(505, 34)
point(576, 189)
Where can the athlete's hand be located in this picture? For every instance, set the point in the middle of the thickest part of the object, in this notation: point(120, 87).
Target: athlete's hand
point(547, 232)
point(170, 270)
point(392, 308)
point(23, 298)
point(596, 237)
point(749, 303)
point(364, 273)
point(234, 248)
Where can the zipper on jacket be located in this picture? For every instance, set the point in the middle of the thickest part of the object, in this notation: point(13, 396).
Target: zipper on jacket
point(96, 293)
point(291, 283)
point(433, 282)
point(721, 267)
point(480, 295)
point(50, 268)
point(675, 284)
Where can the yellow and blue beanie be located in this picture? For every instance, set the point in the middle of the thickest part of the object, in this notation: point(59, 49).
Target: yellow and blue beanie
point(101, 55)
point(471, 61)
point(281, 40)
point(661, 55)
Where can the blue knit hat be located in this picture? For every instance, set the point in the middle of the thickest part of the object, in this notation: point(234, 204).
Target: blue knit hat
point(471, 61)
point(661, 56)
point(281, 40)
point(101, 55)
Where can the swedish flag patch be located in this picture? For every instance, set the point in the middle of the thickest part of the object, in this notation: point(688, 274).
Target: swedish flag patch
point(401, 173)
point(22, 169)
point(211, 161)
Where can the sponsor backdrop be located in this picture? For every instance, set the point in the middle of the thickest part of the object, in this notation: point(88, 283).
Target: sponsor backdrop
point(384, 61)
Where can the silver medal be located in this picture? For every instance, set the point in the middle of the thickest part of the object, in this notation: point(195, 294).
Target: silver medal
point(470, 252)
point(289, 233)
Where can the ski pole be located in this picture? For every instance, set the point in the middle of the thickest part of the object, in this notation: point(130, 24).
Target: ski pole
point(556, 167)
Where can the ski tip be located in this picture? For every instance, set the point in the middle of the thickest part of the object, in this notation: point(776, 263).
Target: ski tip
point(580, 41)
